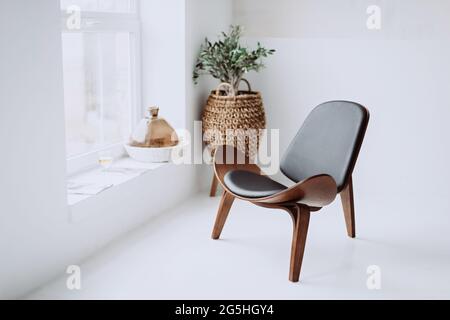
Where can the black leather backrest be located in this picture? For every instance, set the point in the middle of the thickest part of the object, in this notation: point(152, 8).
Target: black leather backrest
point(327, 143)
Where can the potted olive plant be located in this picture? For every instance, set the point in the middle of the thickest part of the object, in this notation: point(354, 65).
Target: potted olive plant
point(228, 109)
point(228, 61)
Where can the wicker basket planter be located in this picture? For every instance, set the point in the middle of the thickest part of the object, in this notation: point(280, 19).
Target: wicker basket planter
point(234, 120)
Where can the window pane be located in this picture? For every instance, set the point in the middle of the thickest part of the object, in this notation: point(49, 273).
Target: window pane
point(116, 6)
point(96, 90)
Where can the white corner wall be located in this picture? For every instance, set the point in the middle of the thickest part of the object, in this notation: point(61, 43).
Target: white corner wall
point(204, 19)
point(39, 235)
point(401, 73)
point(163, 63)
point(172, 36)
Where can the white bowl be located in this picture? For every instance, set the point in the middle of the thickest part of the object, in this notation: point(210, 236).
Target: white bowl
point(155, 155)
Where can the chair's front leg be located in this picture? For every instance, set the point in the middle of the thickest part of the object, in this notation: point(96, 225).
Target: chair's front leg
point(300, 216)
point(224, 208)
point(349, 208)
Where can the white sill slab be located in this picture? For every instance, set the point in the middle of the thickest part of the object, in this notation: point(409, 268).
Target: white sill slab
point(93, 182)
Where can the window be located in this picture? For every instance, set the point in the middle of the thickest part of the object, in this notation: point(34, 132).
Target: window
point(101, 62)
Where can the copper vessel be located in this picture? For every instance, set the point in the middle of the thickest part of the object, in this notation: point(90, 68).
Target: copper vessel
point(154, 132)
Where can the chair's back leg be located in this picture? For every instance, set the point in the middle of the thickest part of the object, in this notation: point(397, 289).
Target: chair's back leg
point(224, 208)
point(300, 216)
point(349, 208)
point(214, 184)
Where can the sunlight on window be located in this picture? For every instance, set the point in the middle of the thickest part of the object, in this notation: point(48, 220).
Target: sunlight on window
point(101, 77)
point(96, 90)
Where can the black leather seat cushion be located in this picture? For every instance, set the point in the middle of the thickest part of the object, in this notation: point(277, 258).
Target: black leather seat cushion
point(251, 185)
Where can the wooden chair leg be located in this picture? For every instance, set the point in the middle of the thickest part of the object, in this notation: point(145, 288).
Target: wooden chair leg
point(214, 185)
point(349, 208)
point(300, 216)
point(224, 208)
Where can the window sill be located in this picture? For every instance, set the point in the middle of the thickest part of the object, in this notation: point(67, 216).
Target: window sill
point(94, 182)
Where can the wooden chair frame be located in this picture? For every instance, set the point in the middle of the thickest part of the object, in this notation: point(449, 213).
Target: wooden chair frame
point(307, 196)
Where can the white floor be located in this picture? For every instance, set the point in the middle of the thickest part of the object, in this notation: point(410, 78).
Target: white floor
point(173, 257)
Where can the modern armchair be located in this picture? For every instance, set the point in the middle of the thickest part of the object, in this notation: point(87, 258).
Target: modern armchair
point(320, 160)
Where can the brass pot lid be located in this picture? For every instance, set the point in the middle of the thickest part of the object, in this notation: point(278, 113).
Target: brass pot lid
point(154, 132)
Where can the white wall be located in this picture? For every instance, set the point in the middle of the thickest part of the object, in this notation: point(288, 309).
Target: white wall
point(401, 19)
point(32, 162)
point(402, 74)
point(39, 235)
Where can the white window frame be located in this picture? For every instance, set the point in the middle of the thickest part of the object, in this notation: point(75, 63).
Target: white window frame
point(104, 22)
